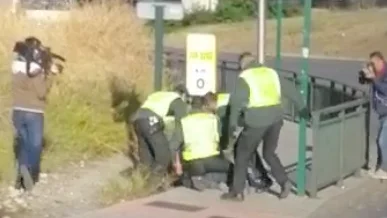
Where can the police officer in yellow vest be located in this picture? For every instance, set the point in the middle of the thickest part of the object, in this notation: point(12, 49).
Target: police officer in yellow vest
point(258, 178)
point(153, 146)
point(257, 98)
point(196, 142)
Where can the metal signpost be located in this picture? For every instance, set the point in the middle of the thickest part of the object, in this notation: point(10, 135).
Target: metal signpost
point(159, 11)
point(304, 92)
point(261, 28)
point(279, 15)
point(201, 64)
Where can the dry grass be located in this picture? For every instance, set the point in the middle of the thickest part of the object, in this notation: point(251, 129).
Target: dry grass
point(139, 183)
point(100, 42)
point(335, 33)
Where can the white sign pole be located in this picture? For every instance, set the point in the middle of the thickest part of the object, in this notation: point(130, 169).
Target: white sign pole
point(201, 65)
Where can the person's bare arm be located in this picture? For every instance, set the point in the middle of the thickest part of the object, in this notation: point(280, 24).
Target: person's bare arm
point(177, 165)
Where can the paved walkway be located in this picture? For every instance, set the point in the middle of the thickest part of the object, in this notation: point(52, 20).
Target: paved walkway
point(181, 202)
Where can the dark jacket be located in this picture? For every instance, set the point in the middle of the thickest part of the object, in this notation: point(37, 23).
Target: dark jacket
point(263, 116)
point(379, 94)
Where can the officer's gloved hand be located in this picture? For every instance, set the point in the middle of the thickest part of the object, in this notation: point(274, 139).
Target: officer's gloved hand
point(305, 113)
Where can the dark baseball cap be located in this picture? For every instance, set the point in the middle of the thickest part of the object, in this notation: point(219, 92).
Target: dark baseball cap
point(181, 89)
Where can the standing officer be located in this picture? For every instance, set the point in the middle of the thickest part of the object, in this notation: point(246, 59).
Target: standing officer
point(257, 178)
point(153, 146)
point(257, 98)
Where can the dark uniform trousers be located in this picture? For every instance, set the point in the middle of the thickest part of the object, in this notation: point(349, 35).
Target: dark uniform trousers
point(215, 169)
point(247, 145)
point(213, 164)
point(153, 146)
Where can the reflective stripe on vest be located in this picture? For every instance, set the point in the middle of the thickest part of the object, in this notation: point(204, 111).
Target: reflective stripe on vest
point(201, 138)
point(222, 100)
point(159, 102)
point(264, 85)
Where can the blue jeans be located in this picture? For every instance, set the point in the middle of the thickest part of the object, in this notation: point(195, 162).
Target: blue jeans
point(29, 133)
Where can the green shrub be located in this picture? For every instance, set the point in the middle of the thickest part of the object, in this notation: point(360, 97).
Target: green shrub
point(231, 11)
point(235, 10)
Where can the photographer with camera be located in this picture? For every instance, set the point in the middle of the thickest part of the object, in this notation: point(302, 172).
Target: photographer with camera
point(375, 74)
point(32, 70)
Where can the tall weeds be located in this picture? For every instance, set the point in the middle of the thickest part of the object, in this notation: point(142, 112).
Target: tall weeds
point(102, 43)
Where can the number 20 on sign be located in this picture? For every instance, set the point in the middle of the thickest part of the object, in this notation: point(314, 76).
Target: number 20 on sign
point(201, 64)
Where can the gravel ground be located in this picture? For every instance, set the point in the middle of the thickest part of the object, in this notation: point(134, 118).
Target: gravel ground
point(72, 191)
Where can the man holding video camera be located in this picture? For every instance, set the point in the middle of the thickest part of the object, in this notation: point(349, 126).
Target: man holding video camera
point(32, 70)
point(375, 74)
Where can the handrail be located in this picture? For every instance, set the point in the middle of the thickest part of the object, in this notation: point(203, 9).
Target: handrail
point(340, 107)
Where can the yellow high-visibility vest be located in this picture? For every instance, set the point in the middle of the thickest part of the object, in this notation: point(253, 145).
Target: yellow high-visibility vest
point(264, 85)
point(222, 100)
point(201, 138)
point(159, 102)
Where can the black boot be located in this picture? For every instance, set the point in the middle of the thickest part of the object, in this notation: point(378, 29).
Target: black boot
point(232, 196)
point(28, 182)
point(286, 188)
point(19, 182)
point(262, 184)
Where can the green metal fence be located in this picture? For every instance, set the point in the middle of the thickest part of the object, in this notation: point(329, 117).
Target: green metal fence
point(339, 124)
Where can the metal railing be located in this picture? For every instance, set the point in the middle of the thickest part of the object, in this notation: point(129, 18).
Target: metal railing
point(339, 124)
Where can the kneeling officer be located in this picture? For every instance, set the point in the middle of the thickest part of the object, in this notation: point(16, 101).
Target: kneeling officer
point(196, 138)
point(153, 146)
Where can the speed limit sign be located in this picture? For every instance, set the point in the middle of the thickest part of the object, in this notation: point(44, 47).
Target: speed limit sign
point(201, 64)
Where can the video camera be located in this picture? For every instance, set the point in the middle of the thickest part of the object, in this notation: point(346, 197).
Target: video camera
point(362, 74)
point(46, 60)
point(32, 50)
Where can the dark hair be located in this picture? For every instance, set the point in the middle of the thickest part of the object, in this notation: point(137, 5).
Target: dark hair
point(209, 98)
point(20, 48)
point(197, 102)
point(243, 56)
point(242, 59)
point(377, 54)
point(32, 40)
point(180, 88)
point(32, 44)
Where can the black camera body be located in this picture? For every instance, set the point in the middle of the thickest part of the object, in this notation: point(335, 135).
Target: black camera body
point(32, 50)
point(362, 78)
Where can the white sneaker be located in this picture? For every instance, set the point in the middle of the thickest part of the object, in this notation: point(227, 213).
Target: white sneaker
point(380, 174)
